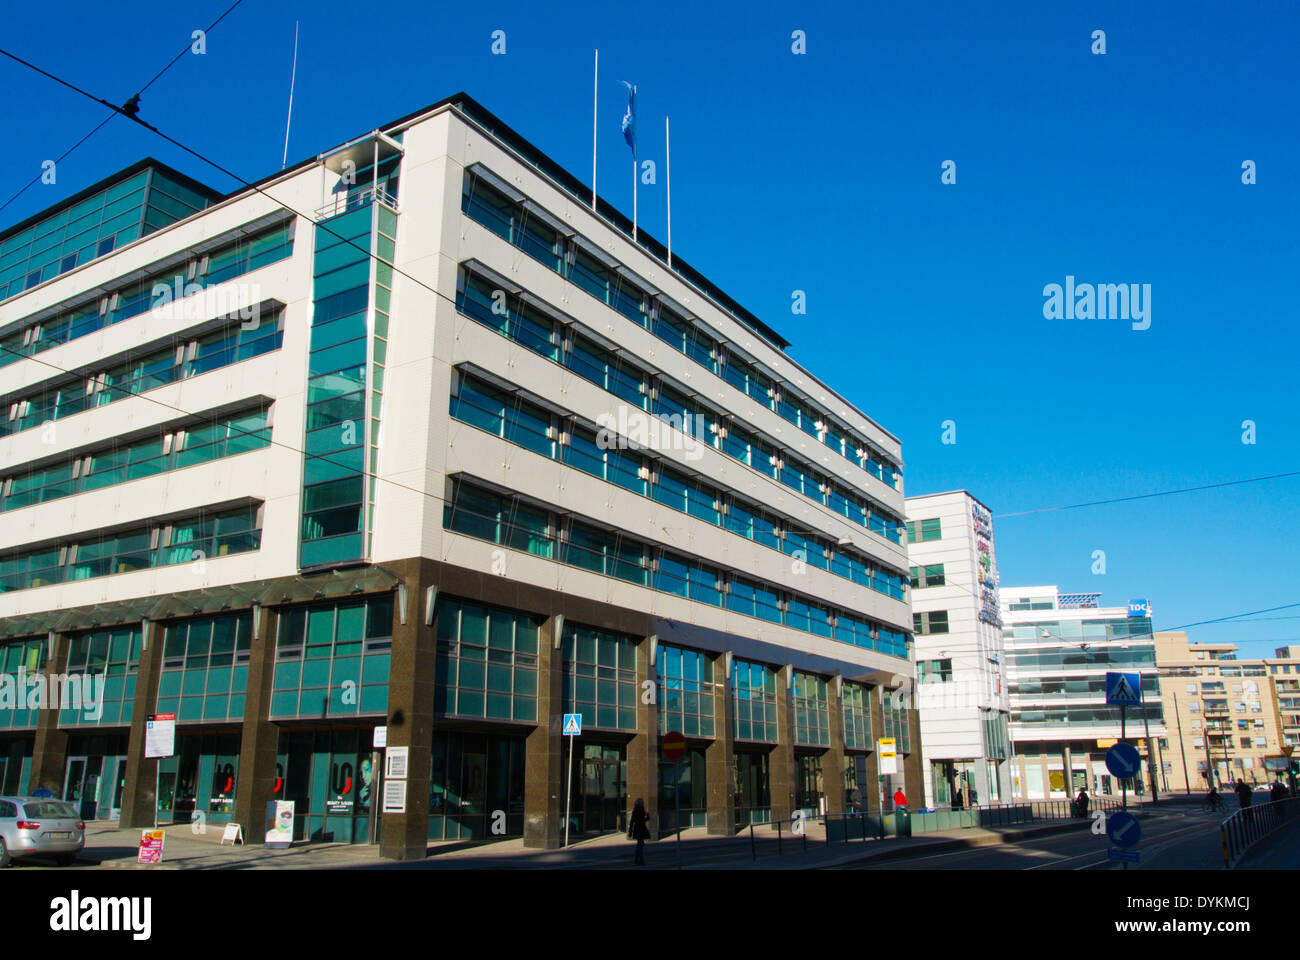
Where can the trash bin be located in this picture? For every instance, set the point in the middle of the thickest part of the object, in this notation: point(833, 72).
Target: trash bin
point(902, 822)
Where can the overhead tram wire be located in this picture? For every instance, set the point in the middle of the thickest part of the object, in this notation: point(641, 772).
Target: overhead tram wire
point(1147, 496)
point(370, 254)
point(445, 502)
point(437, 293)
point(352, 243)
point(95, 129)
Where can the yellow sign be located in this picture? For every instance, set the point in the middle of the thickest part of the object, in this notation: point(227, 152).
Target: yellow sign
point(1106, 743)
point(887, 747)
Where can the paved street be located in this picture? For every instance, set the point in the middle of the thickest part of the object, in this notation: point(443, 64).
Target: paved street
point(111, 847)
point(1175, 835)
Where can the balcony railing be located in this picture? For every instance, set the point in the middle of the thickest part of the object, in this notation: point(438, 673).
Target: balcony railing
point(354, 200)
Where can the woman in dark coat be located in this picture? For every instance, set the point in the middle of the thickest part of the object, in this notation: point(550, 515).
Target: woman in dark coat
point(638, 829)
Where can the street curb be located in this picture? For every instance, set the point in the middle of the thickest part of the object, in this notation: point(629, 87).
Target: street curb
point(959, 843)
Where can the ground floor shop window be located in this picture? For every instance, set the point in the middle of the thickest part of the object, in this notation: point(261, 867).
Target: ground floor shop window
point(15, 764)
point(198, 782)
point(330, 777)
point(476, 786)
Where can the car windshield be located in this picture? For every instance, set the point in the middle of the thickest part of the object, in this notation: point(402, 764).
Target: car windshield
point(50, 809)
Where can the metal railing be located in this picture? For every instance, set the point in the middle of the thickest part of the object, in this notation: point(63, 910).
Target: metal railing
point(1249, 825)
point(355, 199)
point(791, 834)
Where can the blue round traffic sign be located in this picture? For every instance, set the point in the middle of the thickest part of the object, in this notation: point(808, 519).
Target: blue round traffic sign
point(1122, 761)
point(1123, 829)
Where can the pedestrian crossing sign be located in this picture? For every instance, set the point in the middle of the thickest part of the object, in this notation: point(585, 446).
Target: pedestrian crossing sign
point(1123, 689)
point(573, 724)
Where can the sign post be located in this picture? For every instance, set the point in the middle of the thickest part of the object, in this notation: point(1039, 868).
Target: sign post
point(886, 765)
point(159, 744)
point(572, 729)
point(1122, 690)
point(674, 748)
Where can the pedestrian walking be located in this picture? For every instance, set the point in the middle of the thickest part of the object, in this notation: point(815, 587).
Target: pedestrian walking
point(1081, 803)
point(900, 798)
point(1243, 797)
point(638, 829)
point(956, 799)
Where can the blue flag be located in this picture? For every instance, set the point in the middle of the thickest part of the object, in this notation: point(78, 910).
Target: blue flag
point(629, 118)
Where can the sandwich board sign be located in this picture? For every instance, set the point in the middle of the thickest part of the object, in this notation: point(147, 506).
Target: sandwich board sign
point(151, 846)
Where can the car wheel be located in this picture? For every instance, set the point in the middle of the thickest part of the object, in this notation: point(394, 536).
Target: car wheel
point(66, 859)
point(4, 854)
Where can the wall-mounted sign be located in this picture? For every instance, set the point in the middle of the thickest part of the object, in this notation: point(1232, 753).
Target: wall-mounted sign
point(1139, 608)
point(394, 796)
point(395, 762)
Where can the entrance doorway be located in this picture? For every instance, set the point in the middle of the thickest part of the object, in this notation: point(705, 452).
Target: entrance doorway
point(599, 786)
point(753, 800)
point(604, 798)
point(81, 785)
point(809, 784)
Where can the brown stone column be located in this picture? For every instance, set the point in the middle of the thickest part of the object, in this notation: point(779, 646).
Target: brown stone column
point(139, 799)
point(913, 773)
point(782, 765)
point(643, 748)
point(405, 836)
point(720, 755)
point(260, 738)
point(50, 751)
point(543, 749)
point(833, 758)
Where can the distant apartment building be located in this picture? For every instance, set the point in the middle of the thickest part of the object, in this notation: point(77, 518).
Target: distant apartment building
point(1224, 714)
point(961, 690)
point(1059, 648)
point(1284, 672)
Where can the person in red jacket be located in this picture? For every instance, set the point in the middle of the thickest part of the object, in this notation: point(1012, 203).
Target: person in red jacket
point(900, 798)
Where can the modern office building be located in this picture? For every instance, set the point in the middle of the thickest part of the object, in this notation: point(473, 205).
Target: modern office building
point(1059, 649)
point(1224, 714)
point(961, 694)
point(413, 441)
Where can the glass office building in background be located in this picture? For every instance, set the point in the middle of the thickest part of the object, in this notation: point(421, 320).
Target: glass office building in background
point(1059, 648)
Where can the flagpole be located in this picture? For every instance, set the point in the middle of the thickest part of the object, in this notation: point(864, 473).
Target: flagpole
point(668, 176)
point(634, 168)
point(293, 77)
point(595, 97)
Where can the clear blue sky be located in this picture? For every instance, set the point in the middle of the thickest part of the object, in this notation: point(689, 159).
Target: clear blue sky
point(821, 172)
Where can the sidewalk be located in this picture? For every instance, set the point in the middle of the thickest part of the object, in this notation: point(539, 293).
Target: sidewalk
point(111, 847)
